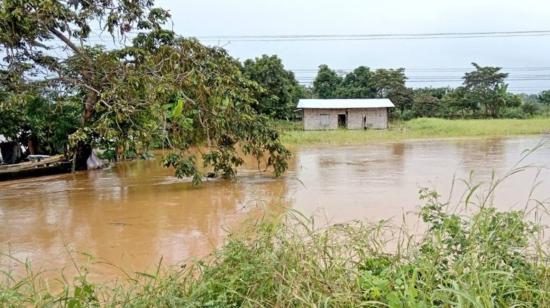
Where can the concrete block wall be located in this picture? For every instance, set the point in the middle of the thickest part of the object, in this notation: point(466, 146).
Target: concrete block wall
point(376, 118)
point(325, 119)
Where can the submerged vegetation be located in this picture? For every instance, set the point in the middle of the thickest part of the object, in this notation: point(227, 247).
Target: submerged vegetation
point(470, 255)
point(292, 133)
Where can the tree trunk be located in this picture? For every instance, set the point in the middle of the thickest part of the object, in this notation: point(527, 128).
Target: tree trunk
point(84, 149)
point(91, 101)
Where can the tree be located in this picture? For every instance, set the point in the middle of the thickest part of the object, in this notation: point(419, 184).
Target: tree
point(358, 84)
point(306, 91)
point(208, 101)
point(190, 95)
point(32, 31)
point(390, 83)
point(457, 101)
point(544, 97)
point(425, 104)
point(280, 90)
point(486, 85)
point(529, 108)
point(327, 83)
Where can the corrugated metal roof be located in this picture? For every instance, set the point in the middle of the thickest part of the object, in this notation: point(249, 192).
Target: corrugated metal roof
point(345, 103)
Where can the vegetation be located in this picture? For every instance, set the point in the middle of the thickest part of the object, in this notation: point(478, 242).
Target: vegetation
point(279, 91)
point(471, 255)
point(293, 134)
point(160, 88)
point(362, 83)
point(484, 94)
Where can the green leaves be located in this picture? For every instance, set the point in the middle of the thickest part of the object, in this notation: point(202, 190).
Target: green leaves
point(279, 90)
point(178, 108)
point(174, 92)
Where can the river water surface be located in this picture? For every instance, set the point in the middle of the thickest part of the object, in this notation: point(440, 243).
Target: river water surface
point(136, 212)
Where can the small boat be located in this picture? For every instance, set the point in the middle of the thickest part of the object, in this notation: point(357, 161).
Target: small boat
point(39, 165)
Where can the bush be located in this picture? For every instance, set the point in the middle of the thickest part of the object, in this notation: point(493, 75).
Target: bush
point(530, 108)
point(407, 115)
point(513, 113)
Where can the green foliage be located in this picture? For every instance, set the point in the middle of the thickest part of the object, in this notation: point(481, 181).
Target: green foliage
point(390, 83)
point(407, 115)
point(544, 97)
point(426, 105)
point(162, 89)
point(209, 103)
point(484, 93)
point(486, 86)
point(358, 84)
point(530, 108)
point(513, 113)
point(327, 83)
point(279, 91)
point(38, 119)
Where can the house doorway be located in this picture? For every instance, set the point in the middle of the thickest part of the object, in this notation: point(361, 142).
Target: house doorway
point(342, 121)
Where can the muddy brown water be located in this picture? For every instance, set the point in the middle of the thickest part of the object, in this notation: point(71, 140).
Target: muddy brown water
point(136, 212)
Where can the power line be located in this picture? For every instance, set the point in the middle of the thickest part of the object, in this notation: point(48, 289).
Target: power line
point(381, 36)
point(430, 69)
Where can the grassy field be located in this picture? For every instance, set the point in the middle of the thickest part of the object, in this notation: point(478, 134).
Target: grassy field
point(473, 258)
point(416, 129)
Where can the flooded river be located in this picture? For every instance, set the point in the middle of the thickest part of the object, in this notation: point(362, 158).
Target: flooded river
point(137, 212)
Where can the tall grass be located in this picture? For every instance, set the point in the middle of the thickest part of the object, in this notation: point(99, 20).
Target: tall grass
point(418, 128)
point(470, 255)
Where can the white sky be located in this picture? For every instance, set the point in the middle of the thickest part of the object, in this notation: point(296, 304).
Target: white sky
point(275, 17)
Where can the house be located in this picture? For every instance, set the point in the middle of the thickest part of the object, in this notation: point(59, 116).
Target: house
point(319, 114)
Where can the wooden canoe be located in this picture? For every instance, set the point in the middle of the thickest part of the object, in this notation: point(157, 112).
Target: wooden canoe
point(45, 166)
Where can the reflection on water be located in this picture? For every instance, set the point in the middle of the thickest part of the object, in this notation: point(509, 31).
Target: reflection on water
point(136, 212)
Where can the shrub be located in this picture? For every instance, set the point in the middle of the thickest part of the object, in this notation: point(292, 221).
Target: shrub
point(513, 113)
point(407, 115)
point(530, 108)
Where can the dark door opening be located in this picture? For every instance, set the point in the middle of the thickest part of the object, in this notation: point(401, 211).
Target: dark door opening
point(342, 121)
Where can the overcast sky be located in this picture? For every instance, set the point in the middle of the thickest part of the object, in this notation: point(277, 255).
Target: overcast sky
point(276, 17)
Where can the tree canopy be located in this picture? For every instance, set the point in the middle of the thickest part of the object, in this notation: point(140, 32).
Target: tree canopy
point(279, 92)
point(358, 84)
point(327, 83)
point(486, 86)
point(160, 88)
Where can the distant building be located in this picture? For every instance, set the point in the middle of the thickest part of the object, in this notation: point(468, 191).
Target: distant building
point(320, 114)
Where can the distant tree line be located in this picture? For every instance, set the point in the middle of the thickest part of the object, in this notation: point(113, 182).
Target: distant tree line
point(483, 94)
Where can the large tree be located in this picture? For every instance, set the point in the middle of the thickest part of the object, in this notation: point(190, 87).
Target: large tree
point(486, 86)
point(358, 84)
point(279, 92)
point(326, 83)
point(188, 95)
point(47, 44)
point(390, 83)
point(458, 103)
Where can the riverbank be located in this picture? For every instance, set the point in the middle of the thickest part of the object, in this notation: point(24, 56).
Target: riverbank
point(486, 259)
point(474, 253)
point(423, 128)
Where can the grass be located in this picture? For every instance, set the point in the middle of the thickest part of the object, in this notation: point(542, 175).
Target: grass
point(471, 255)
point(422, 128)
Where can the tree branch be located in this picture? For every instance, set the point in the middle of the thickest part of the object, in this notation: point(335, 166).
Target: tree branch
point(65, 40)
